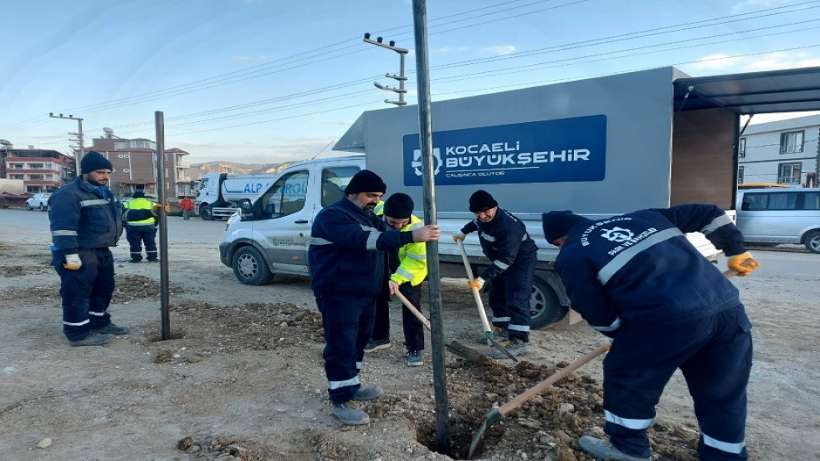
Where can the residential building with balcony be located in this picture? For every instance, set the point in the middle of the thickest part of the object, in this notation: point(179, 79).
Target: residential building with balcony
point(42, 170)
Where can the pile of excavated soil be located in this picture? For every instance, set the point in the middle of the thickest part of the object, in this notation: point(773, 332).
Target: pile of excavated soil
point(546, 427)
point(19, 271)
point(208, 329)
point(130, 287)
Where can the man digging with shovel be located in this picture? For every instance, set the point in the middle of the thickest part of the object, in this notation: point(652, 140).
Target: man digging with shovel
point(637, 279)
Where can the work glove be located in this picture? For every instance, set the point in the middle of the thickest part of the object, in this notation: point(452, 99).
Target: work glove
point(158, 207)
point(476, 283)
point(743, 264)
point(459, 237)
point(393, 286)
point(73, 262)
point(426, 233)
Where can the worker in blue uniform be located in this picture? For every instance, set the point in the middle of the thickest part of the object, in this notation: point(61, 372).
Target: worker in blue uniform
point(513, 254)
point(85, 222)
point(347, 268)
point(637, 279)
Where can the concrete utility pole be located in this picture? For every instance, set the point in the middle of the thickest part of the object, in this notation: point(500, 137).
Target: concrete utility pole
point(430, 217)
point(79, 134)
point(401, 78)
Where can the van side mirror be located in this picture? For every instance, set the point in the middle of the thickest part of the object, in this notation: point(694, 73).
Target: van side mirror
point(246, 207)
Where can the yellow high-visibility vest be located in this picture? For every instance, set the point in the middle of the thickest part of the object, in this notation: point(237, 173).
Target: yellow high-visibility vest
point(140, 203)
point(412, 256)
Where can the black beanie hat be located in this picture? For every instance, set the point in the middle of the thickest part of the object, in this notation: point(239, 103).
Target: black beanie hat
point(93, 161)
point(481, 200)
point(558, 223)
point(365, 181)
point(139, 193)
point(399, 206)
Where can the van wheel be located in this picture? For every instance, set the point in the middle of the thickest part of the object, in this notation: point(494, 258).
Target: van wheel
point(205, 212)
point(43, 207)
point(812, 241)
point(545, 308)
point(250, 267)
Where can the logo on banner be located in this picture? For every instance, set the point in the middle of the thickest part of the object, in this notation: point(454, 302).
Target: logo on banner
point(418, 165)
point(572, 149)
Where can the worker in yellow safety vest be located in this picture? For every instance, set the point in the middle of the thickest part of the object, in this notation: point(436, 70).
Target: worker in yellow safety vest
point(408, 267)
point(141, 226)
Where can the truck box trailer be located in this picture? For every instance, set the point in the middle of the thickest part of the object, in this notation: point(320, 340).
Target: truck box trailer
point(599, 147)
point(219, 194)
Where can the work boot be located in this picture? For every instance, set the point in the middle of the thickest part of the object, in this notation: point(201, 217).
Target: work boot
point(513, 346)
point(366, 393)
point(414, 359)
point(348, 414)
point(603, 449)
point(135, 261)
point(91, 340)
point(111, 329)
point(376, 344)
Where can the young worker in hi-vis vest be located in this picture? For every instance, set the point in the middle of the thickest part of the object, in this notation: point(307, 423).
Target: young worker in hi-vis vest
point(408, 268)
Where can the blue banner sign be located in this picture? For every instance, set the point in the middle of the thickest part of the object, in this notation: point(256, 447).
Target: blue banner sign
point(570, 149)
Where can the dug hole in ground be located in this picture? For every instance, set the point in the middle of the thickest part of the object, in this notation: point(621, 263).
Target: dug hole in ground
point(243, 378)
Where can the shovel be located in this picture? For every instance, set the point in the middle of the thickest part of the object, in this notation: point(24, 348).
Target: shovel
point(455, 347)
point(488, 331)
point(495, 415)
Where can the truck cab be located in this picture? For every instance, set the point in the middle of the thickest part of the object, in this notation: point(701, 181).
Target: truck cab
point(270, 235)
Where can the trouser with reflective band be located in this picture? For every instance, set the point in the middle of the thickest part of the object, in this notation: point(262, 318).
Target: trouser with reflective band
point(510, 297)
point(715, 356)
point(413, 329)
point(86, 292)
point(139, 235)
point(348, 325)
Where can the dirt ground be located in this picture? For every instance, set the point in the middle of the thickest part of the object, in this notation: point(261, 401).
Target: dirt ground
point(242, 378)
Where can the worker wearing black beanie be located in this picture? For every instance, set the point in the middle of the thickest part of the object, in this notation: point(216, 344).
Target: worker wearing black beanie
point(481, 200)
point(93, 161)
point(365, 181)
point(399, 206)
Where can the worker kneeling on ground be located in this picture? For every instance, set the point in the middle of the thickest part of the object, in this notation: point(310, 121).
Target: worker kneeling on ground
point(409, 269)
point(347, 270)
point(141, 226)
point(505, 241)
point(637, 279)
point(85, 221)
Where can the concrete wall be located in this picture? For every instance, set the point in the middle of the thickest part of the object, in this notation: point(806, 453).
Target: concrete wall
point(638, 107)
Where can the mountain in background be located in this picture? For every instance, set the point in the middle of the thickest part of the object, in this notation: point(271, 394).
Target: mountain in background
point(199, 169)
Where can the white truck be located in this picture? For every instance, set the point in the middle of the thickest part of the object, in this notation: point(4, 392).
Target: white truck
point(219, 194)
point(599, 147)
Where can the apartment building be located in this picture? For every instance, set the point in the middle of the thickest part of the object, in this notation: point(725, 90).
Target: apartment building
point(42, 170)
point(783, 152)
point(134, 162)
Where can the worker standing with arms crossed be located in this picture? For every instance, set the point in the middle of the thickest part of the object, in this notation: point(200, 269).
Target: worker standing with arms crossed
point(513, 254)
point(637, 279)
point(408, 266)
point(85, 221)
point(347, 270)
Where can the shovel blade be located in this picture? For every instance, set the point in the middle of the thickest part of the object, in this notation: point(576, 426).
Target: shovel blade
point(500, 347)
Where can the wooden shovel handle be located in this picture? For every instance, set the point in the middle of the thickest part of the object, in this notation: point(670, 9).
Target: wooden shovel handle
point(476, 294)
point(543, 385)
point(410, 307)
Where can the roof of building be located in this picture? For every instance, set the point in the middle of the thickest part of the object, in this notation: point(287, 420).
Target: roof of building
point(783, 125)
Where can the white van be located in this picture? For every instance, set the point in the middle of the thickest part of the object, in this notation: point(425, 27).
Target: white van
point(780, 216)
